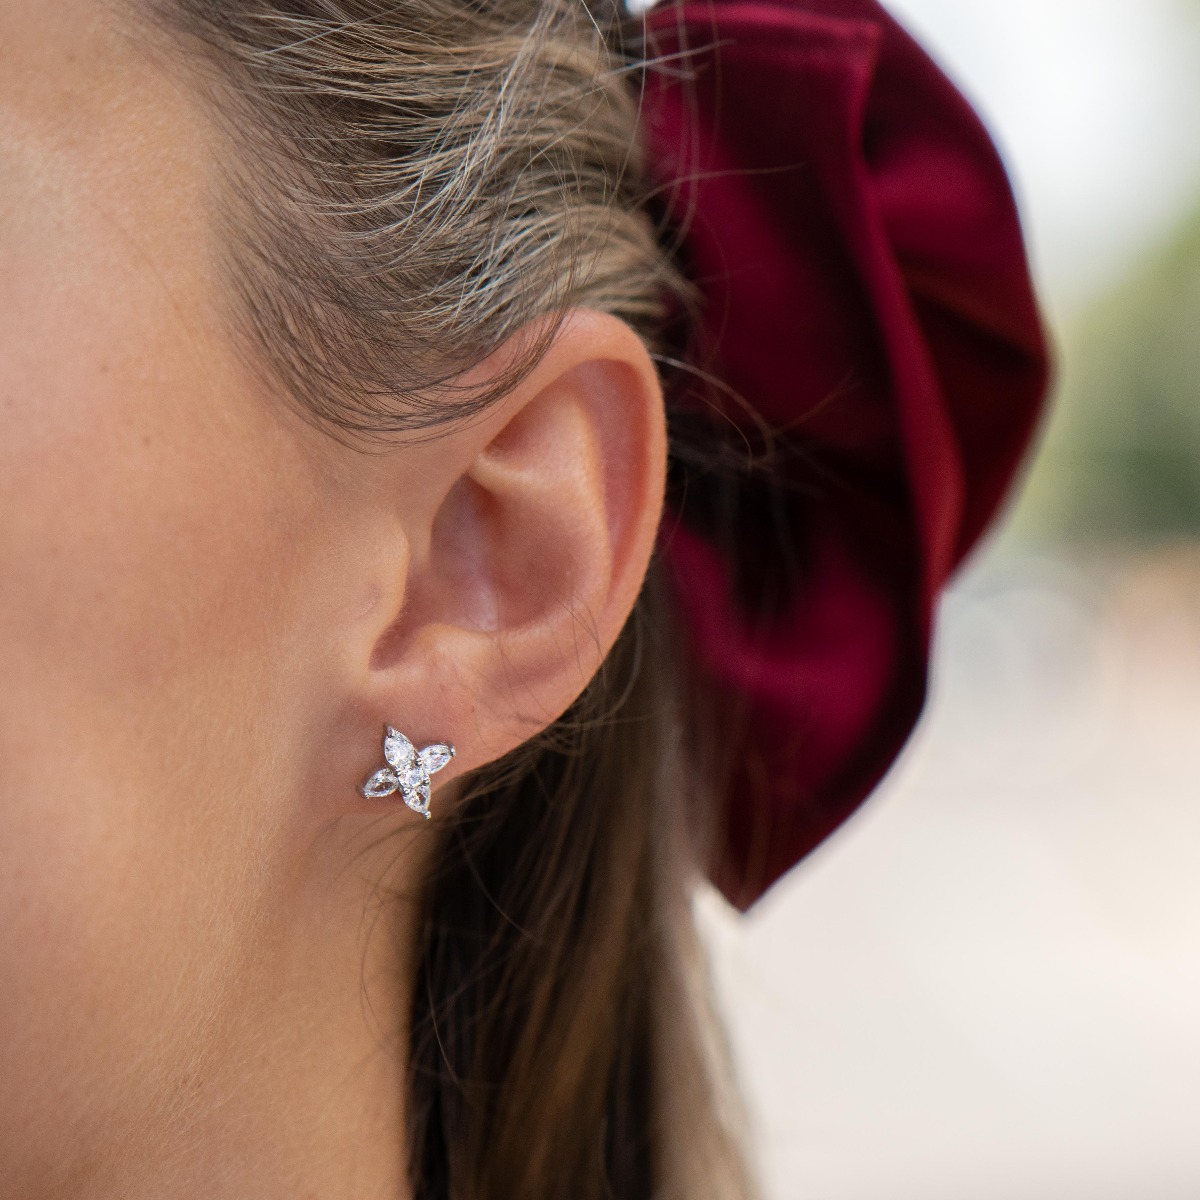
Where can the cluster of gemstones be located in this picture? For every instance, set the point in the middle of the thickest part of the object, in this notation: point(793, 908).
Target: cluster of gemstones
point(407, 772)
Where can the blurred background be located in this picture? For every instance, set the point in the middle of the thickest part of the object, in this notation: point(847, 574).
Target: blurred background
point(987, 985)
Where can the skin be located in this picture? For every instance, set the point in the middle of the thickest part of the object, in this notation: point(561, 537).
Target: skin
point(208, 612)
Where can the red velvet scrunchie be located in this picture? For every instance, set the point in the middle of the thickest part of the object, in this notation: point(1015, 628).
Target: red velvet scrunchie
point(866, 289)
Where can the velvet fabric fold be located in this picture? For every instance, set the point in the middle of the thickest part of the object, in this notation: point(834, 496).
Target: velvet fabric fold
point(867, 295)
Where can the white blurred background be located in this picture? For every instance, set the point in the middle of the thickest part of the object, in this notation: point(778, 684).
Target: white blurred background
point(987, 985)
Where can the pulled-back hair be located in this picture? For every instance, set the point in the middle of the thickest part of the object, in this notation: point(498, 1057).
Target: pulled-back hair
point(409, 185)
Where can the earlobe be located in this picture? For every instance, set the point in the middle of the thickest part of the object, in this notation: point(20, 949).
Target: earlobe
point(536, 553)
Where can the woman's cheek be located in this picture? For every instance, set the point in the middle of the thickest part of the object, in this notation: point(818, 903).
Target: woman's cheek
point(146, 567)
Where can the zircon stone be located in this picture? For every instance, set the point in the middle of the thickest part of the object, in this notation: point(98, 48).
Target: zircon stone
point(413, 776)
point(418, 798)
point(397, 749)
point(436, 757)
point(382, 783)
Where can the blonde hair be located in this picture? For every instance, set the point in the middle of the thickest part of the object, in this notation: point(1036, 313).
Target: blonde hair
point(412, 184)
point(416, 182)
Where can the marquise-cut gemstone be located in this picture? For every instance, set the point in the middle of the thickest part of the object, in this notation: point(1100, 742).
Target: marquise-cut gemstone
point(436, 757)
point(417, 798)
point(382, 783)
point(397, 749)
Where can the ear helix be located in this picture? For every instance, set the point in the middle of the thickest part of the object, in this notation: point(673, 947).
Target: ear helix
point(408, 770)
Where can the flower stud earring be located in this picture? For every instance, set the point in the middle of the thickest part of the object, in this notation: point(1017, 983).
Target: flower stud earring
point(408, 770)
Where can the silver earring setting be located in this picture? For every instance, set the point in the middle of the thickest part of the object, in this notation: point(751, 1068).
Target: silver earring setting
point(407, 772)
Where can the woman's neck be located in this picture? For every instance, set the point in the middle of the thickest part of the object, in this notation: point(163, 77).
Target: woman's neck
point(296, 1084)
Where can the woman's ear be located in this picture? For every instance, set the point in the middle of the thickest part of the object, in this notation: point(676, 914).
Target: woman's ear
point(525, 550)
